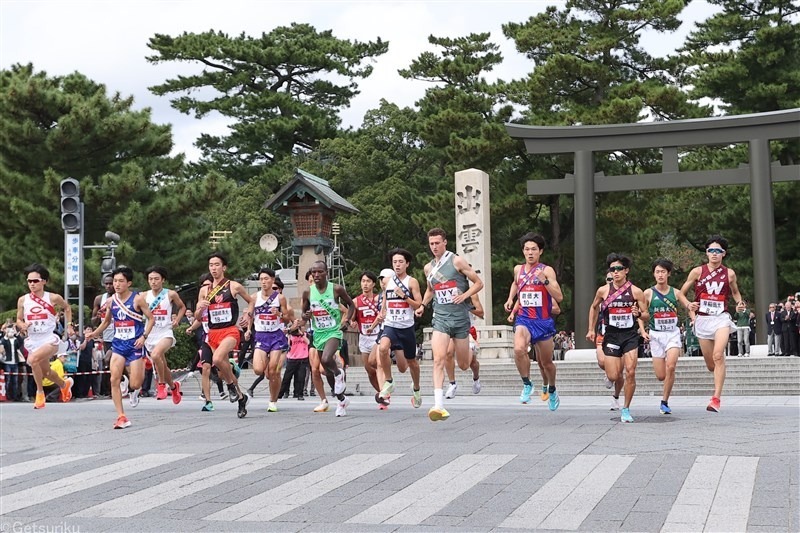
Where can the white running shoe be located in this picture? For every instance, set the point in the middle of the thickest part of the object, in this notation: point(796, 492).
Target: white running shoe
point(451, 391)
point(614, 404)
point(322, 407)
point(476, 386)
point(339, 386)
point(607, 382)
point(133, 399)
point(341, 407)
point(123, 386)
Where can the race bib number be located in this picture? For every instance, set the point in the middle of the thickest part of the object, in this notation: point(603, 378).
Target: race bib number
point(530, 299)
point(160, 318)
point(712, 305)
point(37, 323)
point(124, 330)
point(665, 321)
point(266, 322)
point(446, 292)
point(620, 317)
point(220, 313)
point(322, 320)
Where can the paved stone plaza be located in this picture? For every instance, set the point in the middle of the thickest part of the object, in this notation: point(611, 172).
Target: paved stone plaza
point(494, 465)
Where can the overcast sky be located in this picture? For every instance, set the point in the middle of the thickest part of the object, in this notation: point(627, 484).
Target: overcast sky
point(107, 41)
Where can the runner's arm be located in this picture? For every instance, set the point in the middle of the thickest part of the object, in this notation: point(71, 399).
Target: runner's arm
point(593, 314)
point(512, 291)
point(734, 285)
point(176, 300)
point(466, 269)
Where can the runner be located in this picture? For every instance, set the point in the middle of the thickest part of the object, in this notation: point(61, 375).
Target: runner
point(99, 310)
point(205, 353)
point(37, 317)
point(368, 307)
point(321, 308)
point(401, 297)
point(268, 310)
point(620, 303)
point(223, 335)
point(712, 283)
point(286, 320)
point(600, 330)
point(448, 276)
point(536, 285)
point(475, 310)
point(128, 311)
point(161, 302)
point(665, 335)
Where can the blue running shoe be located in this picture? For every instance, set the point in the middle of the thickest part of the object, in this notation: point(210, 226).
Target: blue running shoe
point(525, 397)
point(625, 415)
point(665, 410)
point(554, 401)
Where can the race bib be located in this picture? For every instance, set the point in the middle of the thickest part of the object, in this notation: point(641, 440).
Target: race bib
point(712, 304)
point(160, 318)
point(220, 313)
point(665, 321)
point(124, 330)
point(37, 323)
point(365, 329)
point(620, 317)
point(266, 322)
point(322, 320)
point(530, 299)
point(446, 292)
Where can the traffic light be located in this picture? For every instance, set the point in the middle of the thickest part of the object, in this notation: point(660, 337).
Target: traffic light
point(108, 264)
point(70, 205)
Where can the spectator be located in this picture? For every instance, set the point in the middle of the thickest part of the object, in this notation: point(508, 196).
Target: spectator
point(796, 328)
point(83, 380)
point(11, 352)
point(296, 364)
point(752, 328)
point(97, 367)
point(742, 319)
point(52, 391)
point(773, 322)
point(788, 318)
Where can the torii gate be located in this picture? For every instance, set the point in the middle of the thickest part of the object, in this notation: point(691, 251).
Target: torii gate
point(755, 129)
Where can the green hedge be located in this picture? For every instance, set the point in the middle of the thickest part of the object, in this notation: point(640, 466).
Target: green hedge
point(184, 350)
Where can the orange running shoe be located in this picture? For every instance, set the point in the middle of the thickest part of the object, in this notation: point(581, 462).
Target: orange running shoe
point(161, 391)
point(66, 390)
point(177, 395)
point(713, 405)
point(39, 403)
point(122, 422)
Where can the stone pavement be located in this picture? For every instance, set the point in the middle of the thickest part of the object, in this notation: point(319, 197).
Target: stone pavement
point(495, 465)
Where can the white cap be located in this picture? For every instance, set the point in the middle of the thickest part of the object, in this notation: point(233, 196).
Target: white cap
point(386, 272)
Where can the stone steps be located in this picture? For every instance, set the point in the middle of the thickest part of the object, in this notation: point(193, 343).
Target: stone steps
point(748, 377)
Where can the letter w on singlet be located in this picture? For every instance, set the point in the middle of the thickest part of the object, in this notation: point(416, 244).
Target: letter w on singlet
point(714, 287)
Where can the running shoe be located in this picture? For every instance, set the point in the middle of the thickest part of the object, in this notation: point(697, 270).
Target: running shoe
point(341, 407)
point(122, 422)
point(272, 407)
point(161, 391)
point(381, 401)
point(665, 410)
point(713, 405)
point(66, 390)
point(223, 395)
point(123, 386)
point(250, 392)
point(476, 386)
point(387, 389)
point(133, 399)
point(202, 398)
point(554, 401)
point(525, 397)
point(614, 404)
point(451, 391)
point(39, 403)
point(438, 413)
point(233, 393)
point(339, 386)
point(544, 395)
point(208, 407)
point(625, 415)
point(177, 395)
point(416, 398)
point(607, 382)
point(322, 407)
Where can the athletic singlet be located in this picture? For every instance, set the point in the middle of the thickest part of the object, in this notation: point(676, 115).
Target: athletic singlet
point(105, 303)
point(162, 312)
point(618, 314)
point(204, 320)
point(324, 310)
point(711, 290)
point(663, 316)
point(447, 283)
point(39, 319)
point(223, 310)
point(127, 327)
point(534, 300)
point(266, 317)
point(366, 313)
point(399, 313)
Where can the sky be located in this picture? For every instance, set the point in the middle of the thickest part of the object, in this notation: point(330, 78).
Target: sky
point(107, 41)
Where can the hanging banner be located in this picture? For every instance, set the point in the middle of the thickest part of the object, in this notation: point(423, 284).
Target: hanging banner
point(73, 258)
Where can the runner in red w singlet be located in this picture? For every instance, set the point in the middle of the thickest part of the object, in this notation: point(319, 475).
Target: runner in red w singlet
point(712, 283)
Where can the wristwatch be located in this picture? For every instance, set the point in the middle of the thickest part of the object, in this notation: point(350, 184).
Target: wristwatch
point(546, 282)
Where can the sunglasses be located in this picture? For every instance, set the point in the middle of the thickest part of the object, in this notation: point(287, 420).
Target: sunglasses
point(715, 250)
point(609, 279)
point(619, 268)
point(34, 281)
